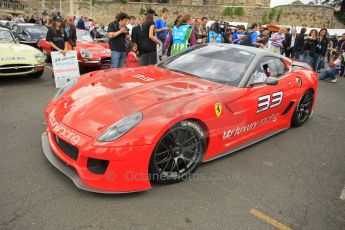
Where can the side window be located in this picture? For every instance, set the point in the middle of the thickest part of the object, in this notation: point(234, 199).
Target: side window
point(273, 66)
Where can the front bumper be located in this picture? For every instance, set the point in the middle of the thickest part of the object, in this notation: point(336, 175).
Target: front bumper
point(125, 172)
point(20, 70)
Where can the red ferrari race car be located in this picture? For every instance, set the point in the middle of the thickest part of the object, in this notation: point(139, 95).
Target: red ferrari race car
point(116, 130)
point(90, 53)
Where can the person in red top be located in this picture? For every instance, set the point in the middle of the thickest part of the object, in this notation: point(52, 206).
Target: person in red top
point(132, 59)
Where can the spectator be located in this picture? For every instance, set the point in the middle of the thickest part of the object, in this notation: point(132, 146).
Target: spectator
point(19, 19)
point(215, 35)
point(263, 38)
point(150, 41)
point(298, 47)
point(321, 49)
point(71, 33)
point(277, 41)
point(198, 31)
point(204, 21)
point(132, 59)
point(161, 25)
point(254, 36)
point(341, 49)
point(289, 43)
point(118, 34)
point(240, 32)
point(56, 36)
point(192, 22)
point(311, 43)
point(32, 19)
point(81, 24)
point(137, 34)
point(131, 24)
point(334, 68)
point(182, 36)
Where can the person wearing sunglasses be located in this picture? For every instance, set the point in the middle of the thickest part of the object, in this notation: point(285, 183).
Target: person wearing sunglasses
point(57, 37)
point(71, 32)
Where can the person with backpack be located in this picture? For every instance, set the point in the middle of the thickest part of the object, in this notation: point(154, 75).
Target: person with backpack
point(182, 36)
point(250, 39)
point(215, 36)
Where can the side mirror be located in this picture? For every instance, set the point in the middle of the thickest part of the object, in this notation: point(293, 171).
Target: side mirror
point(272, 81)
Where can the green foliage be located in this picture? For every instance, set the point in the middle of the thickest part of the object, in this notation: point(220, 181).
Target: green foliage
point(123, 1)
point(233, 11)
point(279, 14)
point(272, 14)
point(143, 10)
point(297, 2)
point(264, 18)
point(228, 11)
point(93, 2)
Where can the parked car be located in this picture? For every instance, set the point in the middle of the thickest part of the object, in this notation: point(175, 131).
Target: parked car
point(116, 130)
point(19, 59)
point(28, 33)
point(91, 53)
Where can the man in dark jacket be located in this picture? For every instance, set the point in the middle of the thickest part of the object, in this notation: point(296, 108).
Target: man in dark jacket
point(71, 32)
point(80, 23)
point(138, 35)
point(299, 44)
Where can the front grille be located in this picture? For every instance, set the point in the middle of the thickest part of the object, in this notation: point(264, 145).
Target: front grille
point(67, 148)
point(16, 68)
point(105, 60)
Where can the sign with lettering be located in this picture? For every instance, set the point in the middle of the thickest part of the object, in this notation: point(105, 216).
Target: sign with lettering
point(65, 67)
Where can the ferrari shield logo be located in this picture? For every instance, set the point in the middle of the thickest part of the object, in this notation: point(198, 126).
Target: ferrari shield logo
point(218, 109)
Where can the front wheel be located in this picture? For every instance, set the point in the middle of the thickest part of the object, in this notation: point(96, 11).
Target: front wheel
point(303, 109)
point(178, 153)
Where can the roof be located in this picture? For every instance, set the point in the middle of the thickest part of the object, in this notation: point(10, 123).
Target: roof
point(256, 51)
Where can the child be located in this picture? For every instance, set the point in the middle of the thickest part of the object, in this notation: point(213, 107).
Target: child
point(132, 59)
point(334, 63)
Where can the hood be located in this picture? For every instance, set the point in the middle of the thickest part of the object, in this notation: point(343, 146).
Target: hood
point(15, 53)
point(104, 97)
point(92, 46)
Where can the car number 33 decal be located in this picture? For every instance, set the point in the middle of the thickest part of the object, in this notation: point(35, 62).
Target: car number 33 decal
point(269, 101)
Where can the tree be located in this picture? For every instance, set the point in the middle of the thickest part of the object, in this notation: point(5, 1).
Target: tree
point(297, 2)
point(333, 3)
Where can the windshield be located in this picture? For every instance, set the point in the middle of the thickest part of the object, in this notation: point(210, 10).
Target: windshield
point(6, 36)
point(36, 30)
point(222, 64)
point(84, 35)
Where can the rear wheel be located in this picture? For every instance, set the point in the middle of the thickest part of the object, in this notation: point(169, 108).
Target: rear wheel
point(37, 74)
point(178, 153)
point(303, 109)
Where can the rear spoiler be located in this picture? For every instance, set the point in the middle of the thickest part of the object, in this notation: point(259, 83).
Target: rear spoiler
point(296, 64)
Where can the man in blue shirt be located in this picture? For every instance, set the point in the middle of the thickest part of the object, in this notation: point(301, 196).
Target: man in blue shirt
point(161, 25)
point(236, 37)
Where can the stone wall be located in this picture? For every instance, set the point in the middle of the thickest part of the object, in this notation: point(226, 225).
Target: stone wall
point(104, 11)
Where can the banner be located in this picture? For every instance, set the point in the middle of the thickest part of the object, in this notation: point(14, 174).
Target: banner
point(65, 67)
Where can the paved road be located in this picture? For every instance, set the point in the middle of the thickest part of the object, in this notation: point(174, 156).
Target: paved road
point(293, 179)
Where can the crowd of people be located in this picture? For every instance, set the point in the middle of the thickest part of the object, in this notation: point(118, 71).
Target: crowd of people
point(139, 40)
point(148, 36)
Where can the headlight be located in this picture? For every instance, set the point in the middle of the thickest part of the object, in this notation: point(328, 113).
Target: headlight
point(85, 53)
point(120, 128)
point(65, 88)
point(40, 57)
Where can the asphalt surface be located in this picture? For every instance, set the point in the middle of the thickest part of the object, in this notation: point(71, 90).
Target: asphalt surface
point(294, 179)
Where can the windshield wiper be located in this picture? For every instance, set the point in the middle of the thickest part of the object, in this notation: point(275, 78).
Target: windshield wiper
point(183, 72)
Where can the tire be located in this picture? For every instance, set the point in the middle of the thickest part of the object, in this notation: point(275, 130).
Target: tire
point(37, 74)
point(303, 109)
point(178, 153)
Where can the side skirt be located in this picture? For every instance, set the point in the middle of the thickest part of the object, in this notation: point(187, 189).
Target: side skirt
point(245, 145)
